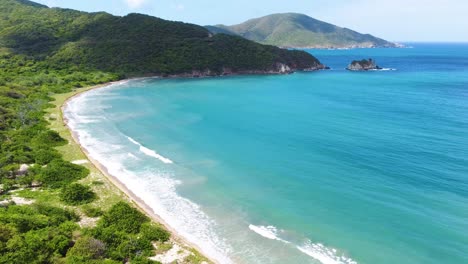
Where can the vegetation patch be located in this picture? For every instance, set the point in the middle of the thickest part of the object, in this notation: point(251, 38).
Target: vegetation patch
point(76, 194)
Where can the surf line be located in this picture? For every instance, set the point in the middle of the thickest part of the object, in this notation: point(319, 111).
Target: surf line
point(315, 250)
point(150, 152)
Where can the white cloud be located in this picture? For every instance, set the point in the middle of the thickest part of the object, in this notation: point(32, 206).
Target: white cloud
point(135, 3)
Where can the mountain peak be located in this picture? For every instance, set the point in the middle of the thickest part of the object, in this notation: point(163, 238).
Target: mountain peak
point(299, 31)
point(29, 3)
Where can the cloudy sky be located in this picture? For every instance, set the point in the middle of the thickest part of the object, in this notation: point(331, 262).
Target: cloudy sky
point(397, 20)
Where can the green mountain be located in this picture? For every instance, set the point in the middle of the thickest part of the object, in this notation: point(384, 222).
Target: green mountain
point(299, 31)
point(134, 44)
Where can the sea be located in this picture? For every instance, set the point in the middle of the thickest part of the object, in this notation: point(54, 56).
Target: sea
point(331, 167)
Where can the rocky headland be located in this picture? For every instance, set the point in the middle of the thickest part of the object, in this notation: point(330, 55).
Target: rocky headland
point(363, 65)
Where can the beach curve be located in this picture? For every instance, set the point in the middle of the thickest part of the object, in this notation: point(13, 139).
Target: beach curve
point(130, 195)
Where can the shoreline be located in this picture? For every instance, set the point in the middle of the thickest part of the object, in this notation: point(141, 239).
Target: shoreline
point(130, 195)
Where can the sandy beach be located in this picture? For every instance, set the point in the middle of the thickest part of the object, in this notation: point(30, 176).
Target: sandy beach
point(137, 201)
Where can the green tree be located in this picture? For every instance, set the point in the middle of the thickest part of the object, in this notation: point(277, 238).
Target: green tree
point(86, 249)
point(59, 173)
point(123, 217)
point(76, 194)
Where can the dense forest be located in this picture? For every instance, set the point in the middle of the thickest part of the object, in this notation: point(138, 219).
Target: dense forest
point(132, 45)
point(45, 51)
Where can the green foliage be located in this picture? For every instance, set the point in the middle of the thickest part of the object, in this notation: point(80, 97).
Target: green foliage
point(297, 30)
point(90, 211)
point(128, 234)
point(59, 173)
point(154, 232)
point(67, 39)
point(86, 249)
point(123, 217)
point(35, 234)
point(45, 155)
point(49, 138)
point(76, 194)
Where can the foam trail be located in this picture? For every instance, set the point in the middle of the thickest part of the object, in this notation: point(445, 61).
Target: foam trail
point(315, 250)
point(150, 152)
point(269, 232)
point(385, 69)
point(323, 254)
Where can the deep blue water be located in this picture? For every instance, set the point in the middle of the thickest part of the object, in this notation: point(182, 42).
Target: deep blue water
point(323, 167)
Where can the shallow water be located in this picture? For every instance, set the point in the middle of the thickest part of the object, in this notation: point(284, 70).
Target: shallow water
point(322, 167)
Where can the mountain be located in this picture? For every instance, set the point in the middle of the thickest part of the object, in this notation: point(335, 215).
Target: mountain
point(294, 30)
point(134, 44)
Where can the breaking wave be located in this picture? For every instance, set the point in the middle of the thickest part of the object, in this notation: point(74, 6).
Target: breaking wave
point(315, 250)
point(150, 152)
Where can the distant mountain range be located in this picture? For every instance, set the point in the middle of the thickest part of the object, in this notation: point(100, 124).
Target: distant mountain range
point(294, 30)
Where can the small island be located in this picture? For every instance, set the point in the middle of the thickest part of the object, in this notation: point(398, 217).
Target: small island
point(363, 65)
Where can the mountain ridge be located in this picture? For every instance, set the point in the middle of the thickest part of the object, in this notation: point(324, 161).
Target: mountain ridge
point(294, 30)
point(145, 45)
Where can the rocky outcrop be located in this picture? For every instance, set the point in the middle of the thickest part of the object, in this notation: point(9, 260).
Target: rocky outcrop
point(23, 170)
point(363, 65)
point(277, 68)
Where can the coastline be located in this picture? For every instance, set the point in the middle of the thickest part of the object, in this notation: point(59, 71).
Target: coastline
point(129, 194)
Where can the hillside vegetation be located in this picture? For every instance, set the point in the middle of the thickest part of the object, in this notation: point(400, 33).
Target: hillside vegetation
point(132, 45)
point(299, 31)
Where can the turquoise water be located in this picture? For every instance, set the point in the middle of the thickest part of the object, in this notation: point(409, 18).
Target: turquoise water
point(322, 167)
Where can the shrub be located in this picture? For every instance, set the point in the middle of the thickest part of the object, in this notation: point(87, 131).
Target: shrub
point(76, 194)
point(44, 156)
point(154, 232)
point(92, 211)
point(59, 173)
point(123, 217)
point(49, 138)
point(86, 249)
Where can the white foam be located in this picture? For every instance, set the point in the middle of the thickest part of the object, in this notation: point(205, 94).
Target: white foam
point(385, 69)
point(323, 254)
point(131, 155)
point(315, 250)
point(150, 152)
point(269, 232)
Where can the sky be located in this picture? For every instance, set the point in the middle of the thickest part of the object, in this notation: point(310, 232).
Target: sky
point(394, 20)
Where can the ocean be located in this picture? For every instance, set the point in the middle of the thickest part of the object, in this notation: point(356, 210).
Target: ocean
point(318, 167)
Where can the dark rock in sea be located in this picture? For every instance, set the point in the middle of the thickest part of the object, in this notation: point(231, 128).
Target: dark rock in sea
point(363, 65)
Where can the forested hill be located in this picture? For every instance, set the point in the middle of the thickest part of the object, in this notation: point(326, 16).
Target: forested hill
point(134, 44)
point(300, 31)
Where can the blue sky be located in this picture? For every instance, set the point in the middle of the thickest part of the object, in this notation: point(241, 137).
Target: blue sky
point(397, 20)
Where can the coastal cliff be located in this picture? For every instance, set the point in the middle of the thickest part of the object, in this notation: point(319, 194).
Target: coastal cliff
point(277, 68)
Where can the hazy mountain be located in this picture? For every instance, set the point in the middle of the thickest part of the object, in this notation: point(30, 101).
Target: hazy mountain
point(299, 31)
